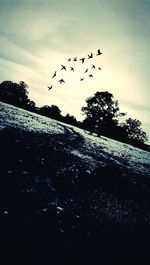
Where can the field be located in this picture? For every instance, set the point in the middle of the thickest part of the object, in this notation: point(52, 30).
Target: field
point(69, 196)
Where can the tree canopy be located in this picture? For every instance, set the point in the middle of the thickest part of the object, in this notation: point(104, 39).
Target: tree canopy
point(102, 113)
point(16, 94)
point(102, 117)
point(70, 119)
point(50, 111)
point(133, 130)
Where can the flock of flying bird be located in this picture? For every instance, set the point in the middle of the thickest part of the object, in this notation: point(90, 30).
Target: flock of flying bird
point(63, 67)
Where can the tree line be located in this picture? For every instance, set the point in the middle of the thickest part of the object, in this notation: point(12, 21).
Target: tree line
point(101, 113)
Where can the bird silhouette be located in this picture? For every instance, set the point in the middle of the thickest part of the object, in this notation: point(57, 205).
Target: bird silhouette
point(75, 59)
point(81, 79)
point(54, 75)
point(90, 56)
point(50, 87)
point(86, 70)
point(82, 59)
point(63, 67)
point(98, 52)
point(61, 81)
point(90, 76)
point(71, 69)
point(99, 68)
point(93, 66)
point(69, 59)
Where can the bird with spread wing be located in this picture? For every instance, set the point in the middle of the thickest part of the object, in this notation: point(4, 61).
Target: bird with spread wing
point(82, 59)
point(63, 67)
point(50, 87)
point(99, 52)
point(90, 56)
point(54, 74)
point(61, 81)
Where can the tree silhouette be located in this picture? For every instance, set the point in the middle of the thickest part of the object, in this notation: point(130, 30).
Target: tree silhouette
point(70, 119)
point(133, 131)
point(16, 94)
point(50, 111)
point(31, 106)
point(102, 113)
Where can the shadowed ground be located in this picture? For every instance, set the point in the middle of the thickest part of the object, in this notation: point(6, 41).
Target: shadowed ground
point(57, 205)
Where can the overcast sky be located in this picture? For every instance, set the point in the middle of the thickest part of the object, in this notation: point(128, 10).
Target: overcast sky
point(37, 36)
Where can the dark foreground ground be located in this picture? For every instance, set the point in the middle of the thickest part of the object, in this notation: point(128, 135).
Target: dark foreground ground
point(54, 211)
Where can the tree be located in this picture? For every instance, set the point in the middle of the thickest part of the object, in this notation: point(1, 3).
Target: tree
point(31, 106)
point(133, 131)
point(50, 111)
point(13, 93)
point(16, 94)
point(102, 113)
point(70, 119)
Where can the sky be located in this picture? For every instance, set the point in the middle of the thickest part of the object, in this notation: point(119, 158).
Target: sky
point(37, 36)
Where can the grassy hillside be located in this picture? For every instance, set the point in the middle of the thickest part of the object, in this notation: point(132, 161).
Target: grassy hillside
point(69, 196)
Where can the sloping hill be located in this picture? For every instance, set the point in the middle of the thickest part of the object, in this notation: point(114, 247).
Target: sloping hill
point(91, 149)
point(67, 194)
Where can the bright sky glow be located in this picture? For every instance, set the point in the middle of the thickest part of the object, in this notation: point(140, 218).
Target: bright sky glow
point(37, 36)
